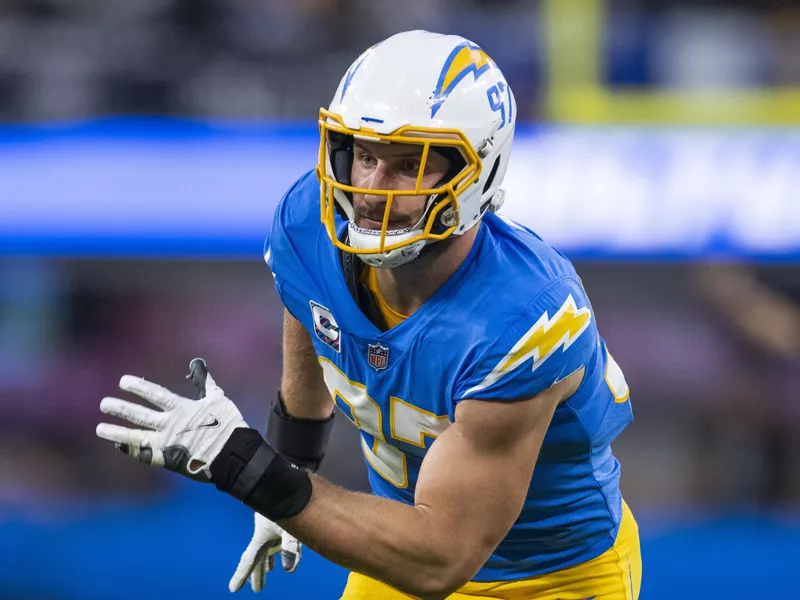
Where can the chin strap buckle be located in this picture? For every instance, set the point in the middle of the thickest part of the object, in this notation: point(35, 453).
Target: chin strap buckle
point(486, 147)
point(497, 200)
point(449, 217)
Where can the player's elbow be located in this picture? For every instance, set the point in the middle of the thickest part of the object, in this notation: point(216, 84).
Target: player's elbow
point(439, 586)
point(451, 576)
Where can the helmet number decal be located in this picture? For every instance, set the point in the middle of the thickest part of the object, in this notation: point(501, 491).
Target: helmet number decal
point(497, 102)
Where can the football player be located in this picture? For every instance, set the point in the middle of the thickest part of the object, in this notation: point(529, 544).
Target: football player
point(461, 345)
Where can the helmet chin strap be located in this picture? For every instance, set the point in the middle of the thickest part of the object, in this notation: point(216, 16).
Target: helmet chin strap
point(405, 254)
point(425, 249)
point(394, 258)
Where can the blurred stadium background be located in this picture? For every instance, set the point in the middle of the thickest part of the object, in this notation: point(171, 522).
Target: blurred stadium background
point(143, 146)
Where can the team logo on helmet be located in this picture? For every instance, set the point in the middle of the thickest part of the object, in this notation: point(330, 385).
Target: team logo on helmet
point(465, 58)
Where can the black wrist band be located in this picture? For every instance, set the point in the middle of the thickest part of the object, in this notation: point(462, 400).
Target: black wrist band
point(303, 441)
point(249, 469)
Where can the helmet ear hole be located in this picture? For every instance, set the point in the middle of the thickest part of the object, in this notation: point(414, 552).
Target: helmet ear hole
point(457, 164)
point(341, 153)
point(493, 172)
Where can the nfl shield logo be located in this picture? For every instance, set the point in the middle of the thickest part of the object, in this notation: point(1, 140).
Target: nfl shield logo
point(378, 356)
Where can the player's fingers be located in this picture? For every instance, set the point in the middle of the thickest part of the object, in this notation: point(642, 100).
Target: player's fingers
point(135, 413)
point(212, 387)
point(121, 435)
point(202, 379)
point(258, 577)
point(264, 564)
point(237, 581)
point(291, 551)
point(255, 555)
point(152, 392)
point(244, 568)
point(141, 444)
point(145, 453)
point(198, 372)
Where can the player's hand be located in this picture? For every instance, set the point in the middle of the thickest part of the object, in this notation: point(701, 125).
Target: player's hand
point(259, 556)
point(185, 436)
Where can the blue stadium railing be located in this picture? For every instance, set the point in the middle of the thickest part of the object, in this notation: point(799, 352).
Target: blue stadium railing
point(167, 188)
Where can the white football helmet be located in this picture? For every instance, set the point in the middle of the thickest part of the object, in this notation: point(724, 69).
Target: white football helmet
point(437, 91)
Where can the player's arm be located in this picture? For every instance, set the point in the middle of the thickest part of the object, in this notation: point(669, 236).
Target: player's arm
point(470, 490)
point(301, 420)
point(299, 427)
point(302, 386)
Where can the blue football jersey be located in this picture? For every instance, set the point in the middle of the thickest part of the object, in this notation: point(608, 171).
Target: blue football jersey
point(513, 320)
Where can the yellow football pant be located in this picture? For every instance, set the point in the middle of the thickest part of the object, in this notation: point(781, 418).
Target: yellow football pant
point(614, 575)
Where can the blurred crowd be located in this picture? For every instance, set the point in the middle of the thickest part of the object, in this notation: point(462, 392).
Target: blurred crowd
point(66, 59)
point(712, 355)
point(70, 329)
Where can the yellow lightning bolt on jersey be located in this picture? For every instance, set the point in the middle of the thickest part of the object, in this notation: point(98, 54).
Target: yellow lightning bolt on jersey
point(542, 340)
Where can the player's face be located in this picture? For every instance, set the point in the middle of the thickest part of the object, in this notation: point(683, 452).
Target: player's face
point(379, 166)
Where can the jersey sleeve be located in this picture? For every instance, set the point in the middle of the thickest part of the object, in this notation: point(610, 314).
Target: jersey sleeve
point(295, 226)
point(278, 248)
point(553, 337)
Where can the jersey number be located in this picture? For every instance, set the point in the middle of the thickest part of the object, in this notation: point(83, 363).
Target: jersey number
point(407, 423)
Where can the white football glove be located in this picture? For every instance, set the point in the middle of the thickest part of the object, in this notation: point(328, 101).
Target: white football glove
point(259, 556)
point(185, 436)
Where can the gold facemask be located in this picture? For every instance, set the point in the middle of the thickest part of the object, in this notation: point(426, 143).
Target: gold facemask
point(408, 134)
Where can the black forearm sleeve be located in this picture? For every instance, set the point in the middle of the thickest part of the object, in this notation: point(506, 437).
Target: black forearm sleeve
point(303, 441)
point(249, 469)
